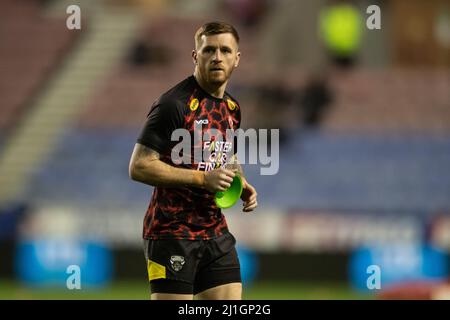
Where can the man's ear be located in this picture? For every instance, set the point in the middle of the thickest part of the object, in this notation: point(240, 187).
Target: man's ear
point(194, 56)
point(238, 58)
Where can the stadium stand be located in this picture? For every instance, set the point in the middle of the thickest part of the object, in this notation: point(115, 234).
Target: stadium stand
point(392, 99)
point(317, 171)
point(27, 55)
point(385, 151)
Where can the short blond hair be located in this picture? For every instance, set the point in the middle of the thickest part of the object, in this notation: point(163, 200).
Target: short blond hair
point(215, 27)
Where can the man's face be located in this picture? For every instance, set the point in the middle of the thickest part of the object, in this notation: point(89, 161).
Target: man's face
point(216, 57)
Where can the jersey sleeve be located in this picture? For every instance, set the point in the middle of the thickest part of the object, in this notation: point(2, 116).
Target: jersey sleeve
point(162, 120)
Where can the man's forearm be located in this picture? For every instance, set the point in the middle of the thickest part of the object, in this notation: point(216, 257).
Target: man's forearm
point(146, 167)
point(159, 173)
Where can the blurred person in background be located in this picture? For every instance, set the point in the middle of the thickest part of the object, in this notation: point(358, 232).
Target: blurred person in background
point(314, 100)
point(188, 247)
point(143, 53)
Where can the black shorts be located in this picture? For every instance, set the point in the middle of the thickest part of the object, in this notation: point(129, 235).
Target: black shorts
point(191, 266)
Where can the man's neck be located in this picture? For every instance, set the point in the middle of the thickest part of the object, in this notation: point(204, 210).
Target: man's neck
point(215, 91)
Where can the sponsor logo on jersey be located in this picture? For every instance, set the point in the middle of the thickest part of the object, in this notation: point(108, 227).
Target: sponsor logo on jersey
point(231, 104)
point(202, 121)
point(194, 104)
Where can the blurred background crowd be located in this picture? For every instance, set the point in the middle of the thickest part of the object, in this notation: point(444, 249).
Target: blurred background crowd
point(364, 119)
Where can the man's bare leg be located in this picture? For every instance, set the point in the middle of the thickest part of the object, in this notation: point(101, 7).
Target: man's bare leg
point(170, 296)
point(229, 291)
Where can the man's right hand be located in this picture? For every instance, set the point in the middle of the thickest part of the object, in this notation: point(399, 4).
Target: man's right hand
point(218, 180)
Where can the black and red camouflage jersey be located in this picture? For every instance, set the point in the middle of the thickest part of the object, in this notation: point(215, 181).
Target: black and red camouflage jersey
point(187, 212)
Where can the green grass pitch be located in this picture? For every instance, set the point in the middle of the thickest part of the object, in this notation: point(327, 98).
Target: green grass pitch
point(139, 291)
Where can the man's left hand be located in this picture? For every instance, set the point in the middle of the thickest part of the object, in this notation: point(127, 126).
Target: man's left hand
point(249, 197)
